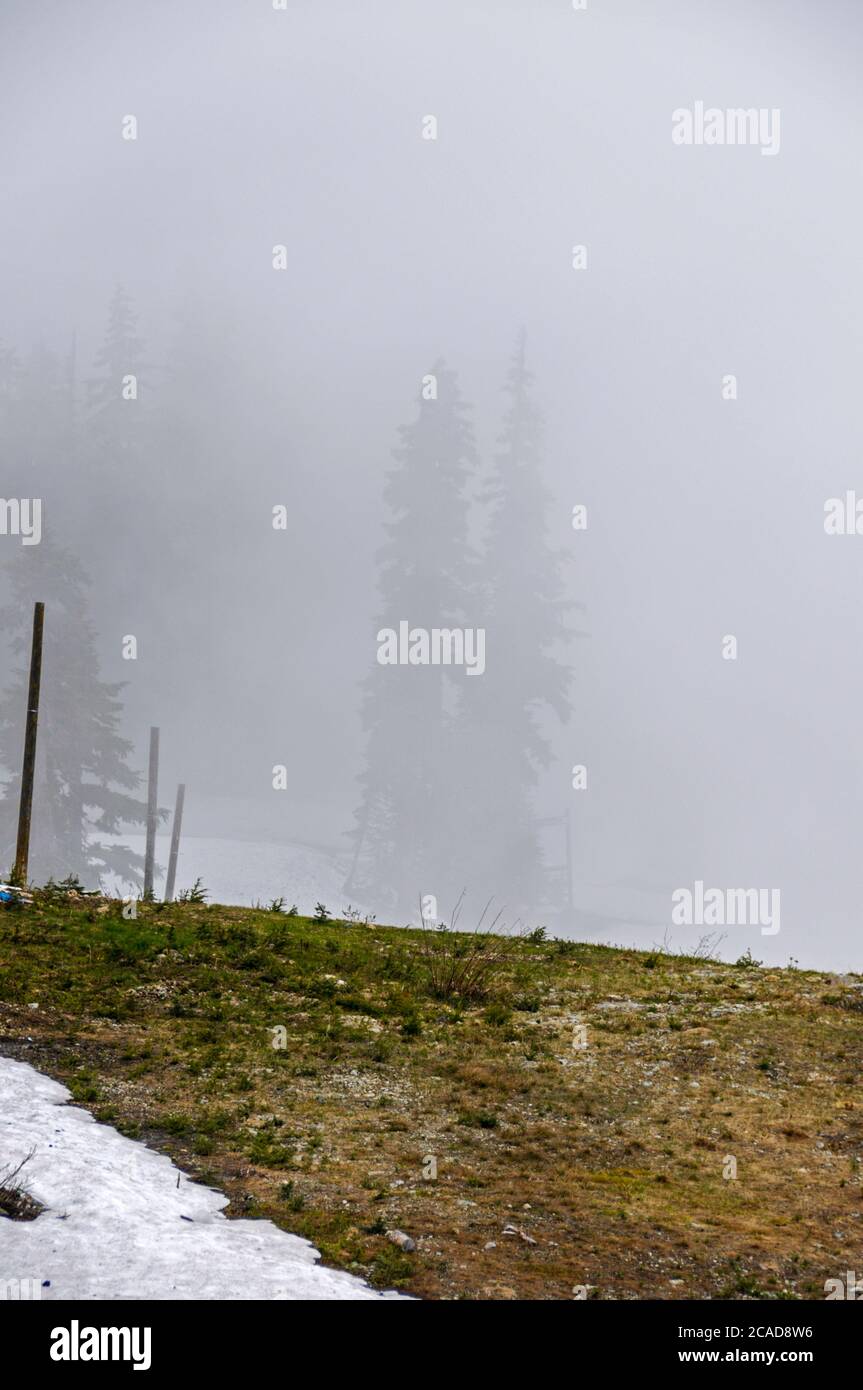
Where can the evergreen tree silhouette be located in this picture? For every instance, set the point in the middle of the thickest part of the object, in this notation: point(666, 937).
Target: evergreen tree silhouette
point(200, 438)
point(404, 841)
point(117, 501)
point(111, 419)
point(83, 782)
point(503, 742)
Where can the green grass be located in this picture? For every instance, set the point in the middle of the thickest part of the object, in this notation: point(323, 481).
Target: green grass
point(609, 1155)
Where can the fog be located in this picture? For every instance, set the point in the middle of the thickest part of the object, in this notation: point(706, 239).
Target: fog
point(268, 379)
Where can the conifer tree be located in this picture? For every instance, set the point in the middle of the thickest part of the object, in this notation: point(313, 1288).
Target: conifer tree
point(84, 785)
point(406, 824)
point(111, 422)
point(116, 504)
point(500, 726)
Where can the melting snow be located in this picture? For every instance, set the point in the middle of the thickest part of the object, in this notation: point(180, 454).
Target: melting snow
point(117, 1225)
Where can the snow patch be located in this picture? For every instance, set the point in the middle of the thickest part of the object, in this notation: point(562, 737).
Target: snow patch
point(243, 872)
point(117, 1225)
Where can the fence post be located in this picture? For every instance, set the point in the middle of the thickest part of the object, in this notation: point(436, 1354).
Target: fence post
point(175, 843)
point(28, 769)
point(152, 813)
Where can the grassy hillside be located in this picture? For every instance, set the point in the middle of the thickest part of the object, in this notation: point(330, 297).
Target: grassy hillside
point(564, 1157)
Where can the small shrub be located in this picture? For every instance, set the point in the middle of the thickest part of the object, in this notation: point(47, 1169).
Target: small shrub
point(196, 894)
point(294, 1201)
point(497, 1015)
point(270, 1152)
point(15, 1200)
point(477, 1119)
point(84, 1089)
point(747, 961)
point(381, 1049)
point(391, 1268)
point(176, 1124)
point(356, 918)
point(465, 966)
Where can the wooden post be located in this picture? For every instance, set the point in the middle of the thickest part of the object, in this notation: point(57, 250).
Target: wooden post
point(152, 813)
point(361, 835)
point(569, 893)
point(175, 843)
point(22, 851)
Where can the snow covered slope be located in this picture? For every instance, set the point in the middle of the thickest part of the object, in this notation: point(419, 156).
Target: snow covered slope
point(243, 872)
point(117, 1224)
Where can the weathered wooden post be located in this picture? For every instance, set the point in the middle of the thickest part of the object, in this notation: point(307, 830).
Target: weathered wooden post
point(175, 843)
point(152, 813)
point(569, 894)
point(28, 769)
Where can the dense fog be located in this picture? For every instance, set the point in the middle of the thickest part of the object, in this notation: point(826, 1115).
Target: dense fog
point(432, 417)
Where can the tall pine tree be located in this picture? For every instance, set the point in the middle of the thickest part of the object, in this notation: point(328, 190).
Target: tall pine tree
point(83, 782)
point(405, 839)
point(117, 499)
point(109, 391)
point(503, 742)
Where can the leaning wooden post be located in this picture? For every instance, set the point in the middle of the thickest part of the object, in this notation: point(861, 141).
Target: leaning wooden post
point(22, 851)
point(175, 843)
point(152, 813)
